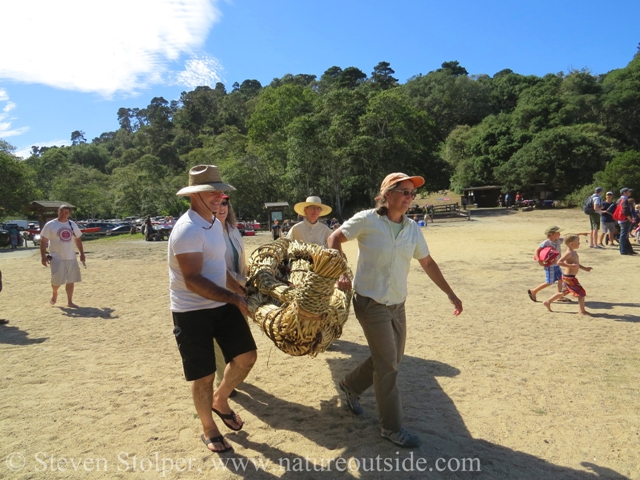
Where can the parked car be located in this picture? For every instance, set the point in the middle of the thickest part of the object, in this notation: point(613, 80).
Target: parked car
point(5, 238)
point(119, 230)
point(104, 226)
point(246, 229)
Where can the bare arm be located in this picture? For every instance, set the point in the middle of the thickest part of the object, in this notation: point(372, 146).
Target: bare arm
point(80, 248)
point(44, 242)
point(234, 285)
point(335, 241)
point(191, 267)
point(432, 270)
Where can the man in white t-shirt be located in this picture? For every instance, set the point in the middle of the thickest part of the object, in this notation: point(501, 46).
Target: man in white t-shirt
point(208, 303)
point(387, 242)
point(310, 230)
point(60, 234)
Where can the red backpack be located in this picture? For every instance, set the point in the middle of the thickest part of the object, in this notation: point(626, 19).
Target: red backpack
point(617, 215)
point(548, 255)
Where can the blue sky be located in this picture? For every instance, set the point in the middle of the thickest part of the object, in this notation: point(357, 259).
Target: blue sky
point(69, 65)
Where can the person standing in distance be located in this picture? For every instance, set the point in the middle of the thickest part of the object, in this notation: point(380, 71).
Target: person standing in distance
point(594, 218)
point(310, 230)
point(60, 234)
point(387, 241)
point(208, 303)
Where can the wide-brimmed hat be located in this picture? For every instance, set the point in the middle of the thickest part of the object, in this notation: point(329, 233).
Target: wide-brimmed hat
point(551, 230)
point(299, 207)
point(205, 178)
point(397, 177)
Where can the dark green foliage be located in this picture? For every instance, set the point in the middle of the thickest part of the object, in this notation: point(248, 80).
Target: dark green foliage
point(622, 171)
point(17, 182)
point(339, 135)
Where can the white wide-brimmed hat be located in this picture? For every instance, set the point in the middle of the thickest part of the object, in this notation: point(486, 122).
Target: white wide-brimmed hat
point(205, 178)
point(299, 207)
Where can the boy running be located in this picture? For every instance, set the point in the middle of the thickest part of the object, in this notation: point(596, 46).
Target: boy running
point(552, 271)
point(570, 262)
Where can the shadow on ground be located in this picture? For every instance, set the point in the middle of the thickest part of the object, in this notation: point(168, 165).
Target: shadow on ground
point(88, 312)
point(429, 412)
point(12, 335)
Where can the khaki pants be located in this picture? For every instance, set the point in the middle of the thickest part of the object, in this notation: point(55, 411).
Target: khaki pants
point(386, 332)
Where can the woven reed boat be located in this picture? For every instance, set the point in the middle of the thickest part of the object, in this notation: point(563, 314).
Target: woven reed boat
point(292, 295)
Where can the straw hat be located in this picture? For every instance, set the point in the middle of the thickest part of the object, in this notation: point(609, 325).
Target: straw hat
point(205, 178)
point(299, 207)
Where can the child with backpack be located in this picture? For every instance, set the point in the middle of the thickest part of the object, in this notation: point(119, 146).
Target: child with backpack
point(547, 255)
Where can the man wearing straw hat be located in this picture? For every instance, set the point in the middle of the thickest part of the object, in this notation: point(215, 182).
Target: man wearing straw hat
point(310, 230)
point(387, 241)
point(208, 303)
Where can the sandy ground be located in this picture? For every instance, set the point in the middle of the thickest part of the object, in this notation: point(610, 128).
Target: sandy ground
point(98, 391)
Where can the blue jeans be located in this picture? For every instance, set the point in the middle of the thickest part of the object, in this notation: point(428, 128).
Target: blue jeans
point(625, 244)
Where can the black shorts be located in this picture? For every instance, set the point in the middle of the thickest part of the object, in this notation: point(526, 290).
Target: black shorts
point(195, 331)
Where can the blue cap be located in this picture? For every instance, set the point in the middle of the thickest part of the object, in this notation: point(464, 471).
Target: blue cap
point(625, 189)
point(599, 189)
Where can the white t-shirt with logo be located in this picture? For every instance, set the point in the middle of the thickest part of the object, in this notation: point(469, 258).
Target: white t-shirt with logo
point(61, 238)
point(191, 234)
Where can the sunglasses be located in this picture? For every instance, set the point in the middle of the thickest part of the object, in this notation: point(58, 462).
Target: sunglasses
point(406, 193)
point(225, 203)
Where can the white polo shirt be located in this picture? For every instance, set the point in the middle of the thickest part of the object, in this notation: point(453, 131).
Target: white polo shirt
point(317, 233)
point(191, 235)
point(384, 259)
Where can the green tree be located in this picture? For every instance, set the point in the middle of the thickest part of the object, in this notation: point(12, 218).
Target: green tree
point(565, 157)
point(621, 103)
point(450, 100)
point(396, 136)
point(622, 171)
point(77, 137)
point(17, 182)
point(382, 78)
point(87, 188)
point(454, 68)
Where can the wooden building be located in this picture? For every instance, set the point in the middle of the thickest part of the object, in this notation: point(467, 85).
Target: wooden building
point(46, 210)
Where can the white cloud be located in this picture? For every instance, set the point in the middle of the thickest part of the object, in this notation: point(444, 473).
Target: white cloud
point(5, 120)
point(26, 152)
point(199, 70)
point(101, 46)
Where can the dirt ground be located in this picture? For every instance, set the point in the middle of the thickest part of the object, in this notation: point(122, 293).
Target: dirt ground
point(98, 391)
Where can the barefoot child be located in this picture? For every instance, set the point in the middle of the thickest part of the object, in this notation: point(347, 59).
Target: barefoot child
point(551, 269)
point(570, 263)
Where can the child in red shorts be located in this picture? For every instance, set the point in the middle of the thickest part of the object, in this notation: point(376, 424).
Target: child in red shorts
point(570, 263)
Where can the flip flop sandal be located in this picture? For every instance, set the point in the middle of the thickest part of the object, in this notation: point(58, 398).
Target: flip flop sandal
point(532, 296)
point(219, 439)
point(565, 300)
point(228, 416)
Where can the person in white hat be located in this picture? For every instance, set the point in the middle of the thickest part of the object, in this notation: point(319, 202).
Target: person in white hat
point(208, 303)
point(310, 230)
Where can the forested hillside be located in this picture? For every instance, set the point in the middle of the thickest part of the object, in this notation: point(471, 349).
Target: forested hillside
point(336, 136)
